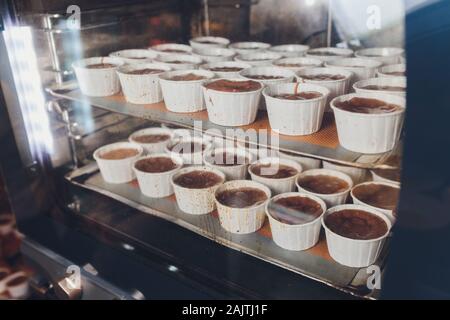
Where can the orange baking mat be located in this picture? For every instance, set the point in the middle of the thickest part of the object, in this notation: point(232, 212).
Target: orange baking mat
point(325, 137)
point(320, 249)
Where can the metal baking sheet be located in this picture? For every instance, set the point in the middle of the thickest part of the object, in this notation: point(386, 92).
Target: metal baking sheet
point(314, 263)
point(321, 145)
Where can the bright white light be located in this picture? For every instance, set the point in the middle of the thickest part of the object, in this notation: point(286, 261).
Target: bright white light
point(22, 57)
point(310, 2)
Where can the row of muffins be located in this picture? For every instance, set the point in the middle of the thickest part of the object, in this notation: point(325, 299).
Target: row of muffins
point(293, 109)
point(295, 217)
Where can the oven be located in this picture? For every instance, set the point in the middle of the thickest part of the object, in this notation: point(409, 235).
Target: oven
point(122, 244)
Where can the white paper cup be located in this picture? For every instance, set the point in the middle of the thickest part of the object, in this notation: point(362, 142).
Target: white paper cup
point(258, 59)
point(298, 63)
point(290, 50)
point(350, 252)
point(196, 201)
point(295, 117)
point(214, 54)
point(277, 186)
point(157, 147)
point(336, 87)
point(332, 199)
point(19, 290)
point(117, 171)
point(295, 237)
point(287, 76)
point(8, 225)
point(194, 158)
point(225, 64)
point(306, 162)
point(388, 213)
point(386, 71)
point(358, 175)
point(369, 133)
point(340, 53)
point(392, 82)
point(231, 108)
point(242, 220)
point(180, 61)
point(184, 96)
point(378, 178)
point(362, 69)
point(234, 172)
point(97, 82)
point(141, 88)
point(160, 49)
point(199, 43)
point(249, 47)
point(157, 184)
point(402, 60)
point(385, 55)
point(178, 132)
point(134, 56)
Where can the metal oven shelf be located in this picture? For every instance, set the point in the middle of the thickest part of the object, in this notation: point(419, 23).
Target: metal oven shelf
point(314, 263)
point(321, 145)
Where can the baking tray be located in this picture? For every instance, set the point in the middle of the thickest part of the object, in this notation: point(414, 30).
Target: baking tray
point(321, 145)
point(314, 263)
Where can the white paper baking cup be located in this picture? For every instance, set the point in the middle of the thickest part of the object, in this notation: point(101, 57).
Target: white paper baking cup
point(384, 72)
point(336, 87)
point(388, 213)
point(358, 175)
point(362, 69)
point(195, 158)
point(8, 227)
point(196, 201)
point(394, 82)
point(188, 62)
point(332, 199)
point(117, 171)
point(157, 184)
point(302, 61)
point(242, 220)
point(377, 178)
point(277, 186)
point(287, 77)
point(350, 252)
point(214, 54)
point(235, 172)
point(306, 162)
point(184, 96)
point(290, 50)
point(369, 133)
point(141, 88)
point(199, 42)
point(385, 55)
point(231, 108)
point(295, 117)
point(249, 46)
point(159, 48)
point(402, 60)
point(20, 290)
point(225, 64)
point(340, 53)
point(258, 151)
point(295, 237)
point(97, 82)
point(158, 147)
point(257, 59)
point(134, 56)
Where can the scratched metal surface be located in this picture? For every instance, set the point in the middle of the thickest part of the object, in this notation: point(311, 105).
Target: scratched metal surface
point(305, 263)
